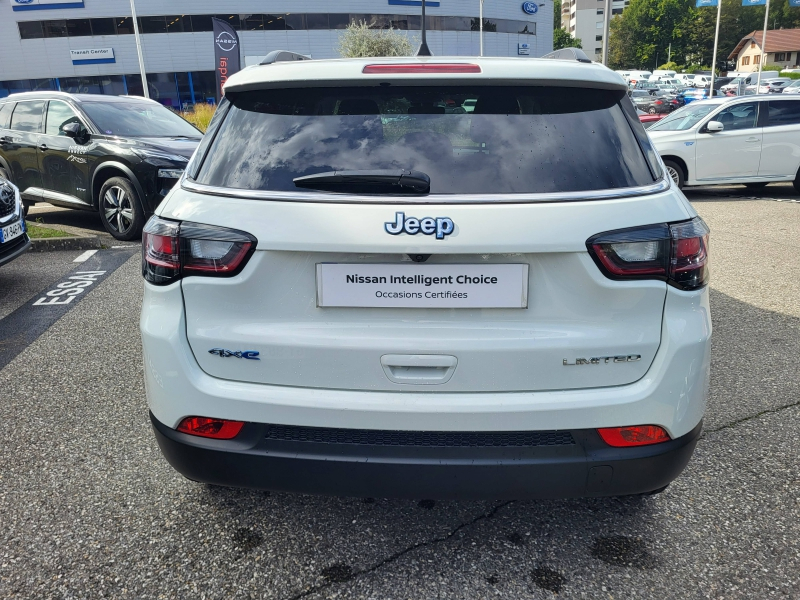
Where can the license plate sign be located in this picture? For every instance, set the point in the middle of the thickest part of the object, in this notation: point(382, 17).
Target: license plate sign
point(9, 232)
point(422, 286)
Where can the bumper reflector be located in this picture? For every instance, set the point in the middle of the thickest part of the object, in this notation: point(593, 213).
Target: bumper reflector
point(218, 429)
point(637, 435)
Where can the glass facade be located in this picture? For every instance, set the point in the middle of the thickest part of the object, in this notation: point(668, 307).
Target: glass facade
point(175, 90)
point(262, 22)
point(178, 89)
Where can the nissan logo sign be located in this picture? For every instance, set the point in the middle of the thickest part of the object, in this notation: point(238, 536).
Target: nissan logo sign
point(226, 41)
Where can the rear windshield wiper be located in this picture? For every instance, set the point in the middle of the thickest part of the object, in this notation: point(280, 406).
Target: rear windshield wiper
point(381, 181)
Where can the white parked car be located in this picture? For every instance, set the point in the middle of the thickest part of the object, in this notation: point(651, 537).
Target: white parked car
point(693, 80)
point(509, 302)
point(792, 88)
point(754, 140)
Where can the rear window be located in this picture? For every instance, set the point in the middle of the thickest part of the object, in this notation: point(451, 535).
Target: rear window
point(469, 140)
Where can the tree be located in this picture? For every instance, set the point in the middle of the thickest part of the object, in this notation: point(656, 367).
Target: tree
point(359, 40)
point(556, 14)
point(641, 35)
point(562, 39)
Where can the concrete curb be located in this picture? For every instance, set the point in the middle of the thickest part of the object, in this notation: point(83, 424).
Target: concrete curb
point(66, 243)
point(78, 240)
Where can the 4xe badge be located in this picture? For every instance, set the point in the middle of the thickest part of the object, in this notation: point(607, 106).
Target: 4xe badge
point(248, 354)
point(440, 226)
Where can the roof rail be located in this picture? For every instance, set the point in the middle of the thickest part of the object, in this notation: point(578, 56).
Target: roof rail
point(135, 97)
point(282, 56)
point(569, 54)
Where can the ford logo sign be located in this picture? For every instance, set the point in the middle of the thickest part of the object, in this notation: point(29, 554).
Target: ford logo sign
point(530, 8)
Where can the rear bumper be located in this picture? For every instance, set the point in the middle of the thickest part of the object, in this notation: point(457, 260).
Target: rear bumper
point(565, 464)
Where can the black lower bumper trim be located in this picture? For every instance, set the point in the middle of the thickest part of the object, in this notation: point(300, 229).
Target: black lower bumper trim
point(587, 467)
point(11, 250)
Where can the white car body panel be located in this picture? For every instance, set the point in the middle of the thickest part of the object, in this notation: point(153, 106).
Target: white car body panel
point(338, 348)
point(518, 227)
point(780, 152)
point(727, 154)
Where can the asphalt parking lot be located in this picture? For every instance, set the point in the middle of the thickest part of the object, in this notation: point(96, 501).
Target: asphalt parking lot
point(90, 509)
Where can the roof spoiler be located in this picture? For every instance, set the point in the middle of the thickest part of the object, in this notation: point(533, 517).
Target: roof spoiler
point(569, 54)
point(282, 56)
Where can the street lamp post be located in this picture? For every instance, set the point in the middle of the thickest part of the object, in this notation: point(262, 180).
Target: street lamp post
point(763, 48)
point(714, 59)
point(139, 49)
point(606, 29)
point(480, 26)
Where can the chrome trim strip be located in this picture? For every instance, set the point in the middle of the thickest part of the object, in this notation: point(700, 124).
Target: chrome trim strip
point(661, 185)
point(774, 178)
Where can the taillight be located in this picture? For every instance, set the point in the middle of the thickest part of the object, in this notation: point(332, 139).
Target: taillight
point(161, 254)
point(173, 249)
point(218, 429)
point(658, 102)
point(421, 68)
point(637, 435)
point(673, 252)
point(688, 264)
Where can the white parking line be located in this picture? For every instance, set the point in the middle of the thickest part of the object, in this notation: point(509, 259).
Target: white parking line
point(120, 247)
point(85, 256)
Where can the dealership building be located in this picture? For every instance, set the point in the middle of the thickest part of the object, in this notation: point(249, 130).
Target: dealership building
point(88, 46)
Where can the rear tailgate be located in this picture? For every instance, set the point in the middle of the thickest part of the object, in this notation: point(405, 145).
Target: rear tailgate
point(573, 313)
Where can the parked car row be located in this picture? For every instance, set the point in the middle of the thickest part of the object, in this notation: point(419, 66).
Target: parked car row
point(685, 80)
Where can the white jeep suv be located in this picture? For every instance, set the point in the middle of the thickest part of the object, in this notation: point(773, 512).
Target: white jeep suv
point(353, 291)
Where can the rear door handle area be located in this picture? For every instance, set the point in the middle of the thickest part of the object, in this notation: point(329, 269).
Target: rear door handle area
point(419, 369)
point(753, 139)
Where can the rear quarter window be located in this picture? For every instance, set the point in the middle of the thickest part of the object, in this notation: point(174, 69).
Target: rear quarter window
point(27, 116)
point(5, 114)
point(783, 112)
point(469, 140)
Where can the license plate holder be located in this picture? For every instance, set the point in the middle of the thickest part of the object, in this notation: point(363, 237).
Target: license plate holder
point(416, 285)
point(11, 232)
